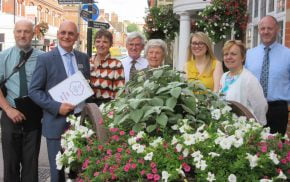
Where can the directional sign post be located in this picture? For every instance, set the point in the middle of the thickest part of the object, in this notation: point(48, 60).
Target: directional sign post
point(70, 1)
point(85, 13)
point(97, 24)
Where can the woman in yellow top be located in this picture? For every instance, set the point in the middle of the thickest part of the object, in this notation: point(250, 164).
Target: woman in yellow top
point(202, 64)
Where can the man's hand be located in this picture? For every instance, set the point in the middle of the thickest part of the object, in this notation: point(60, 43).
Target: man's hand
point(65, 108)
point(15, 115)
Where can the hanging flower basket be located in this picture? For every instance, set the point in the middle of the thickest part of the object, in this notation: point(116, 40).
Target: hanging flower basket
point(40, 29)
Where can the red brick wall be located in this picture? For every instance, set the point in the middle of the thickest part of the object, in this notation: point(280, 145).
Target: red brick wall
point(287, 34)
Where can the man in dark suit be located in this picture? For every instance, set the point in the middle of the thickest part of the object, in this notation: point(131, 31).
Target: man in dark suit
point(52, 68)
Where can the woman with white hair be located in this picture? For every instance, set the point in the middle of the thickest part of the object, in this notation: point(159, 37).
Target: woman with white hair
point(155, 52)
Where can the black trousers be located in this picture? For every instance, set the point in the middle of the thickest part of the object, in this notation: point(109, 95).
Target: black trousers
point(277, 116)
point(20, 151)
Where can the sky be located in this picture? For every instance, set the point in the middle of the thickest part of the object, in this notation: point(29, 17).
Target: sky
point(133, 10)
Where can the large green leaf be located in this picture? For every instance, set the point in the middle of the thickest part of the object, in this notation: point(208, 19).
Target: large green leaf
point(190, 102)
point(175, 92)
point(171, 102)
point(156, 101)
point(187, 109)
point(136, 115)
point(151, 128)
point(154, 109)
point(138, 127)
point(157, 74)
point(162, 119)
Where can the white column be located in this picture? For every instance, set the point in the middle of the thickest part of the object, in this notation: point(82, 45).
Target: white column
point(184, 36)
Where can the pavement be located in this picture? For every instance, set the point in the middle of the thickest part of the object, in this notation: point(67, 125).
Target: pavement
point(43, 168)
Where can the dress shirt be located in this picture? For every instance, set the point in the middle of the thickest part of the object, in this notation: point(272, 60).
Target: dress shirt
point(140, 64)
point(9, 58)
point(64, 59)
point(279, 69)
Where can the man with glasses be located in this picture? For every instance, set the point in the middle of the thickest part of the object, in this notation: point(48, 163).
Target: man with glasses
point(133, 62)
point(52, 68)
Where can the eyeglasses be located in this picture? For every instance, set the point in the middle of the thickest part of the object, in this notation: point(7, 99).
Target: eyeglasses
point(198, 44)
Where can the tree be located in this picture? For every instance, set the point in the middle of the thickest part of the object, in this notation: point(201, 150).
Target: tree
point(132, 28)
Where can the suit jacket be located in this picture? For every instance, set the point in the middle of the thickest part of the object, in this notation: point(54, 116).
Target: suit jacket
point(50, 71)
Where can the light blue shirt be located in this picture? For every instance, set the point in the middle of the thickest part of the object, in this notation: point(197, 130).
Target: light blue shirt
point(64, 59)
point(279, 69)
point(9, 58)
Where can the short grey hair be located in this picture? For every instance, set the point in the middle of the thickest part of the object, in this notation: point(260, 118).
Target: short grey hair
point(156, 43)
point(134, 35)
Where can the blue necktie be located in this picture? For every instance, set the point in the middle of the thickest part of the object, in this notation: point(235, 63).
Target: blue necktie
point(69, 62)
point(265, 71)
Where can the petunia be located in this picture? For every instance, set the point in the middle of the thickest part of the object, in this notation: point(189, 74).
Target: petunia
point(232, 178)
point(210, 177)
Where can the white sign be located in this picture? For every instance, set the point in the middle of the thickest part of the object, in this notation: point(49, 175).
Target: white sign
point(73, 90)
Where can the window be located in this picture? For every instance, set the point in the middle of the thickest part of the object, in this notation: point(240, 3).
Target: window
point(256, 8)
point(250, 10)
point(280, 6)
point(255, 36)
point(263, 8)
point(281, 33)
point(270, 5)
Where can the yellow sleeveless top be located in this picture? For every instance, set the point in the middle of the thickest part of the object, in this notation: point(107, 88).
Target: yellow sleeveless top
point(206, 78)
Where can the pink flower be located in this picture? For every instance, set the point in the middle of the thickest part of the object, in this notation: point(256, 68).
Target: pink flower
point(119, 149)
point(109, 152)
point(154, 170)
point(127, 167)
point(153, 165)
point(115, 137)
point(101, 122)
point(133, 165)
point(280, 145)
point(283, 161)
point(288, 171)
point(122, 133)
point(128, 151)
point(132, 133)
point(264, 148)
point(85, 164)
point(156, 177)
point(88, 148)
point(150, 176)
point(186, 167)
point(278, 170)
point(100, 147)
point(142, 172)
point(113, 130)
point(180, 157)
point(79, 152)
point(141, 161)
point(96, 174)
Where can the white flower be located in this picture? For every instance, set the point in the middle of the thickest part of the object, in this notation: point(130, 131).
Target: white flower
point(189, 139)
point(148, 157)
point(185, 152)
point(111, 125)
point(140, 134)
point(253, 159)
point(156, 142)
point(197, 156)
point(67, 170)
point(265, 180)
point(174, 140)
point(58, 159)
point(178, 147)
point(132, 140)
point(281, 175)
point(201, 165)
point(232, 178)
point(273, 157)
point(216, 114)
point(239, 142)
point(138, 148)
point(180, 171)
point(226, 109)
point(213, 154)
point(165, 175)
point(210, 177)
point(174, 127)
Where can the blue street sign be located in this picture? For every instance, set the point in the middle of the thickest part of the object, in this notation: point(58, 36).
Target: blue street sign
point(85, 13)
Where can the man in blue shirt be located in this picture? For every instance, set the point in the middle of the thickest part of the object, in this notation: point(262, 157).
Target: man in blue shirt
point(20, 137)
point(270, 63)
